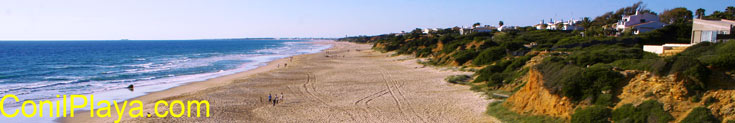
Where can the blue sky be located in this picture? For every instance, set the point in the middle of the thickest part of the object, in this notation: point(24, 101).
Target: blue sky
point(206, 19)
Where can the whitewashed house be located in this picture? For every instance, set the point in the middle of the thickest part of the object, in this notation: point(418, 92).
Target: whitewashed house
point(429, 30)
point(639, 23)
point(565, 25)
point(712, 30)
point(486, 28)
point(702, 31)
point(464, 30)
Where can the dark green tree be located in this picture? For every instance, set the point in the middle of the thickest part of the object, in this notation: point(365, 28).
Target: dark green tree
point(700, 13)
point(586, 22)
point(676, 15)
point(500, 23)
point(613, 17)
point(559, 26)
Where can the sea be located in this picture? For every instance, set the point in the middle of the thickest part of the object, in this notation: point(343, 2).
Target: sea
point(41, 70)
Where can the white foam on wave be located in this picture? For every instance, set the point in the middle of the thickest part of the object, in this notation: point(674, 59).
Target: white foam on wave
point(103, 90)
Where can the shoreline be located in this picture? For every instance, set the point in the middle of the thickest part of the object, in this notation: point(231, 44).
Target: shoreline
point(340, 86)
point(194, 86)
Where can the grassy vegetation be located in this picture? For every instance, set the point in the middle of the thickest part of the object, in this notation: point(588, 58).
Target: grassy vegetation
point(592, 114)
point(584, 66)
point(497, 110)
point(458, 79)
point(650, 111)
point(578, 83)
point(700, 115)
point(503, 72)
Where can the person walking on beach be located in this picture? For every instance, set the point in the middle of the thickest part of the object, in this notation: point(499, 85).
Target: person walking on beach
point(269, 97)
point(281, 96)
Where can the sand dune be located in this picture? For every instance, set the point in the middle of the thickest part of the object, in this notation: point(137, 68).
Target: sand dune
point(347, 86)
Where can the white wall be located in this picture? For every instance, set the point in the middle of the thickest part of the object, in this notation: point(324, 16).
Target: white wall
point(658, 49)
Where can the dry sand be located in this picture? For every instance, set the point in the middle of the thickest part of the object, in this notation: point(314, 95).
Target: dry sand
point(347, 86)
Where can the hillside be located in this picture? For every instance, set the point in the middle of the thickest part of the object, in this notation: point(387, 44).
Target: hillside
point(582, 76)
point(558, 82)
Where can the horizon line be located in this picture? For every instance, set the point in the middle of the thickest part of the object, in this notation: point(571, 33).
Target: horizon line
point(263, 38)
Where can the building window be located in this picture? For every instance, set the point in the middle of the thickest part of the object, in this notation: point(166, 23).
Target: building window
point(709, 36)
point(643, 20)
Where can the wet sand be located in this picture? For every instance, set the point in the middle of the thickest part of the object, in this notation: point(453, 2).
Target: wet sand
point(347, 86)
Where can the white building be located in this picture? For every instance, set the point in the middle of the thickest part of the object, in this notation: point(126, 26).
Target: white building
point(487, 28)
point(666, 49)
point(506, 28)
point(565, 25)
point(639, 23)
point(464, 30)
point(712, 30)
point(429, 30)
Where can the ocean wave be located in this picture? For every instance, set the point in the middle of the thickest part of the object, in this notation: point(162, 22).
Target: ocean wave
point(77, 66)
point(150, 71)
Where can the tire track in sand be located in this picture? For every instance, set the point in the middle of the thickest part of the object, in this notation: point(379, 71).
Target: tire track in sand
point(393, 96)
point(400, 93)
point(309, 82)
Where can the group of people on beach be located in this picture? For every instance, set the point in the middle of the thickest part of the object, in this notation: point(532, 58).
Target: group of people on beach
point(275, 99)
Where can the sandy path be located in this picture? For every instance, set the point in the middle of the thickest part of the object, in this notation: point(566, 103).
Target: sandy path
point(362, 86)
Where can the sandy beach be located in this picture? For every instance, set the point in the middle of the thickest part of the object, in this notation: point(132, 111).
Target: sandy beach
point(346, 83)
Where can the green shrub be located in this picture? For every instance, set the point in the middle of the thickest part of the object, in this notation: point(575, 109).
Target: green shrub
point(489, 56)
point(497, 110)
point(687, 66)
point(658, 66)
point(700, 115)
point(517, 63)
point(722, 61)
point(455, 45)
point(458, 79)
point(604, 54)
point(578, 83)
point(463, 56)
point(692, 69)
point(699, 49)
point(424, 52)
point(503, 71)
point(624, 113)
point(604, 99)
point(650, 111)
point(592, 114)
